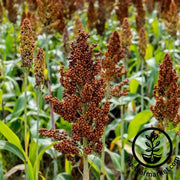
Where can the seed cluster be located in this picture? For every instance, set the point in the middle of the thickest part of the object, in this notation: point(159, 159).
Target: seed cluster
point(172, 20)
point(81, 99)
point(39, 67)
point(91, 15)
point(140, 17)
point(12, 9)
point(33, 20)
point(142, 44)
point(26, 43)
point(166, 94)
point(110, 68)
point(101, 18)
point(126, 36)
point(78, 26)
point(122, 9)
point(50, 15)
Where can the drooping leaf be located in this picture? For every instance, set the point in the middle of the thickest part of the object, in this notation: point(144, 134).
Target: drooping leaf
point(12, 148)
point(10, 136)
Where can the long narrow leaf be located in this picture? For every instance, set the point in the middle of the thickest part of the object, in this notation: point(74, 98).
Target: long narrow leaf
point(12, 148)
point(10, 136)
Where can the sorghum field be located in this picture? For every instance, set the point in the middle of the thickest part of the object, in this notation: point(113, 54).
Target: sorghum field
point(89, 89)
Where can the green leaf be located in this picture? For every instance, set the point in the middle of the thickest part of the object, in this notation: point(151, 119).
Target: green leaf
point(10, 136)
point(68, 166)
point(63, 176)
point(149, 51)
point(140, 119)
point(19, 106)
point(155, 27)
point(12, 148)
point(40, 156)
point(32, 150)
point(109, 174)
point(134, 86)
point(116, 159)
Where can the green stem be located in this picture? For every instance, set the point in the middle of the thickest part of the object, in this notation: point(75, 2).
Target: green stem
point(25, 117)
point(85, 163)
point(104, 140)
point(176, 152)
point(142, 87)
point(49, 82)
point(122, 144)
point(37, 135)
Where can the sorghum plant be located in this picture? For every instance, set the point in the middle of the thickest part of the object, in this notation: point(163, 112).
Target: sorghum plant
point(166, 94)
point(91, 15)
point(78, 26)
point(122, 9)
point(39, 67)
point(140, 16)
point(12, 9)
point(164, 8)
point(177, 4)
point(81, 104)
point(150, 5)
point(101, 17)
point(31, 16)
point(126, 36)
point(26, 49)
point(172, 20)
point(167, 101)
point(110, 72)
point(50, 15)
point(142, 52)
point(32, 4)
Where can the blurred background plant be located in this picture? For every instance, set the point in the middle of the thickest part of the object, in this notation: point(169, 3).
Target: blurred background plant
point(154, 26)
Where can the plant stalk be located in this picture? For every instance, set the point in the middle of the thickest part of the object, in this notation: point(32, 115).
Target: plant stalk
point(49, 82)
point(25, 119)
point(37, 135)
point(142, 87)
point(104, 140)
point(122, 144)
point(85, 163)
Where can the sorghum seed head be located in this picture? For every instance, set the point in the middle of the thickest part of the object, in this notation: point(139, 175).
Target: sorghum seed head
point(140, 17)
point(172, 20)
point(126, 35)
point(39, 67)
point(26, 43)
point(166, 94)
point(142, 44)
point(91, 15)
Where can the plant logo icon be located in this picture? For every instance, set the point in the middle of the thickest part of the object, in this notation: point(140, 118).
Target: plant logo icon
point(152, 145)
point(148, 147)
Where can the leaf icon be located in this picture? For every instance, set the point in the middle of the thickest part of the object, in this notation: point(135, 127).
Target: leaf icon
point(157, 143)
point(148, 150)
point(156, 150)
point(147, 144)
